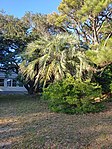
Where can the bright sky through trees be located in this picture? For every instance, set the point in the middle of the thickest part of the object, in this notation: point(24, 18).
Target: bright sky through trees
point(19, 7)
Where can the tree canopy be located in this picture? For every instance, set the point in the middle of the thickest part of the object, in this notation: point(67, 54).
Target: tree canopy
point(90, 20)
point(48, 48)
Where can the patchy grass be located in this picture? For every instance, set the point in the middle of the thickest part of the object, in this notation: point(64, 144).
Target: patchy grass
point(26, 123)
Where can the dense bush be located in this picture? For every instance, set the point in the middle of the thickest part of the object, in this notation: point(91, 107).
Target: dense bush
point(72, 96)
point(104, 78)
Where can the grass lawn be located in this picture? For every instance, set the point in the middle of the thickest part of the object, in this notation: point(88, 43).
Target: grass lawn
point(26, 123)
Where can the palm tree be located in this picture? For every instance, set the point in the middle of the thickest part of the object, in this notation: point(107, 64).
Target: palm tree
point(55, 57)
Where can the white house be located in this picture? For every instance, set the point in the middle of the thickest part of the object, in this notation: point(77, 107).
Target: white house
point(9, 83)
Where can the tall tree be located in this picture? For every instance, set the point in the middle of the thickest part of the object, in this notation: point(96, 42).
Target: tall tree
point(54, 58)
point(90, 20)
point(39, 24)
point(14, 36)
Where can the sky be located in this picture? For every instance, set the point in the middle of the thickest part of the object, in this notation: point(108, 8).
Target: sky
point(19, 7)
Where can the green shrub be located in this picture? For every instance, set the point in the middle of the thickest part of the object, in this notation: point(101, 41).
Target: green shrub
point(104, 78)
point(72, 96)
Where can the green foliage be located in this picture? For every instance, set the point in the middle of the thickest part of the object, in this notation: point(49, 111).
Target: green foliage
point(72, 96)
point(104, 78)
point(85, 18)
point(101, 54)
point(101, 57)
point(14, 36)
point(111, 87)
point(56, 57)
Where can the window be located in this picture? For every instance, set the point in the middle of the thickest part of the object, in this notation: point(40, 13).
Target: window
point(8, 82)
point(14, 82)
point(1, 82)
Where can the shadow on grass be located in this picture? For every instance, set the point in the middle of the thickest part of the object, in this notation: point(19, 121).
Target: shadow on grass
point(26, 122)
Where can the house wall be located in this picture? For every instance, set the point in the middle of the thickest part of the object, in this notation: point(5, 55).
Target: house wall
point(19, 89)
point(9, 89)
